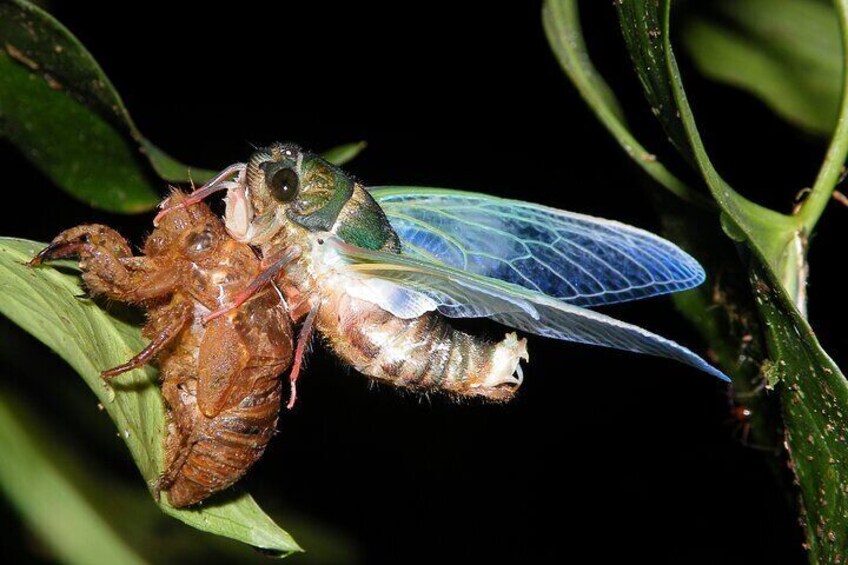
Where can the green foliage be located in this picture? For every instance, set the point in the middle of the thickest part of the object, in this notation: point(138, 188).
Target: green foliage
point(562, 27)
point(812, 390)
point(60, 109)
point(814, 397)
point(786, 52)
point(344, 153)
point(58, 106)
point(45, 302)
point(34, 484)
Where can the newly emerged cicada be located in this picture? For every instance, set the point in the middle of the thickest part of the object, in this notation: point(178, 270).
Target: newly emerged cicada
point(220, 377)
point(377, 271)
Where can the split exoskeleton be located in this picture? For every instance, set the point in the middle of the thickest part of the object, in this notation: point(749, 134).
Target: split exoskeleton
point(220, 377)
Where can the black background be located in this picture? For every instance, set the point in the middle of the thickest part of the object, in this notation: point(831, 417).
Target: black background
point(604, 456)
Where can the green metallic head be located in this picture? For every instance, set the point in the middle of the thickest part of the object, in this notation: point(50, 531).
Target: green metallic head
point(283, 185)
point(311, 192)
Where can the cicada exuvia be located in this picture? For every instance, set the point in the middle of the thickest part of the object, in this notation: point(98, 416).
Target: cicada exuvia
point(220, 377)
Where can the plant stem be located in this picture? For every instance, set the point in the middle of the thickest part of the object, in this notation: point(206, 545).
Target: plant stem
point(831, 169)
point(562, 26)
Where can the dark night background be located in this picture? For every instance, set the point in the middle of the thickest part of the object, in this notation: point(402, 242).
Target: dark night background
point(604, 455)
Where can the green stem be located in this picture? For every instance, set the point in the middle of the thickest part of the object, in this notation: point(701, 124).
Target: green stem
point(562, 26)
point(834, 159)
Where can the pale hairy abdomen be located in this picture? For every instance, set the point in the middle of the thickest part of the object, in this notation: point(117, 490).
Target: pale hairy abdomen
point(425, 354)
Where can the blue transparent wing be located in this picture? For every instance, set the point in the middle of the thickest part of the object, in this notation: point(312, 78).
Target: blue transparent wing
point(410, 282)
point(578, 259)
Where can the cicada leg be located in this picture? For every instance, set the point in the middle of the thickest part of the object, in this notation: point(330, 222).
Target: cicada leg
point(303, 339)
point(179, 316)
point(86, 239)
point(108, 265)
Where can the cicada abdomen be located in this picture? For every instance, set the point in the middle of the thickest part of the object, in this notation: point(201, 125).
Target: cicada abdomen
point(225, 405)
point(424, 354)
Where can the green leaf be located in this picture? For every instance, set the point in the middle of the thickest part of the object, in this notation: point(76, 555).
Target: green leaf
point(786, 52)
point(814, 393)
point(346, 153)
point(562, 26)
point(32, 482)
point(644, 34)
point(45, 302)
point(777, 237)
point(61, 110)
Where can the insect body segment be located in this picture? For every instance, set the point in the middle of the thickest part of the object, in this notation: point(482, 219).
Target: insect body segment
point(219, 380)
point(424, 354)
point(225, 413)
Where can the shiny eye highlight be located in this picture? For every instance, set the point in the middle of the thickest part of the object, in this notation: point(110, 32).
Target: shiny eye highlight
point(283, 184)
point(200, 242)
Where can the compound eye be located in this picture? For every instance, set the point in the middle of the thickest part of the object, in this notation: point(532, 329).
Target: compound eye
point(283, 184)
point(200, 242)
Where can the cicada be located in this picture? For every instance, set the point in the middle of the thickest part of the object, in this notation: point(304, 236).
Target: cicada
point(380, 271)
point(220, 379)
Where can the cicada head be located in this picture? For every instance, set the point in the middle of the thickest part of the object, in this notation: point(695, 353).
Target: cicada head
point(191, 231)
point(285, 183)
